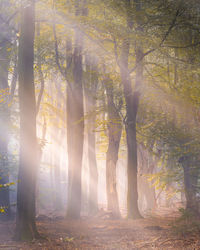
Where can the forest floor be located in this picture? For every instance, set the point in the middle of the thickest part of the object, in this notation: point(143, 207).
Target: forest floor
point(102, 233)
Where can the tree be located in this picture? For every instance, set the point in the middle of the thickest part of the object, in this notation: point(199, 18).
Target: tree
point(114, 136)
point(132, 102)
point(90, 93)
point(25, 224)
point(75, 124)
point(74, 110)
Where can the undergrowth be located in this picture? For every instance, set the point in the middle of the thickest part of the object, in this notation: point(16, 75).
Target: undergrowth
point(187, 223)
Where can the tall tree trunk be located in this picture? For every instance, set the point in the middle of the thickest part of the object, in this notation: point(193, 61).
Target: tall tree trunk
point(25, 224)
point(75, 128)
point(93, 172)
point(57, 138)
point(114, 136)
point(57, 187)
point(146, 166)
point(90, 88)
point(132, 102)
point(40, 154)
point(57, 174)
point(190, 183)
point(38, 103)
point(4, 132)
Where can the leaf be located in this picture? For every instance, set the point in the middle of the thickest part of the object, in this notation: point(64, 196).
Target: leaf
point(68, 239)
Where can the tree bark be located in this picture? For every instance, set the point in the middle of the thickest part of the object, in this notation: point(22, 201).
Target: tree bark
point(75, 129)
point(28, 166)
point(146, 166)
point(190, 183)
point(57, 157)
point(132, 103)
point(114, 136)
point(90, 88)
point(74, 116)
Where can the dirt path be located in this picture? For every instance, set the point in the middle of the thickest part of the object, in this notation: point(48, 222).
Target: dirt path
point(150, 233)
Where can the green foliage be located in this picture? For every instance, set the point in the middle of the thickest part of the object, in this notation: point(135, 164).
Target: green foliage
point(173, 139)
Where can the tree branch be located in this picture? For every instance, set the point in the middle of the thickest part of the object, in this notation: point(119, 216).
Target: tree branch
point(161, 43)
point(182, 47)
point(57, 53)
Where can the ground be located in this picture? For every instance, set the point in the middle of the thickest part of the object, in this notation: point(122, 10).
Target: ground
point(101, 233)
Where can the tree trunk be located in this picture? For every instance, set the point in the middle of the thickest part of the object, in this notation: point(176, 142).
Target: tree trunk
point(190, 183)
point(58, 199)
point(57, 176)
point(146, 166)
point(93, 172)
point(90, 88)
point(4, 132)
point(25, 224)
point(132, 102)
point(75, 130)
point(114, 136)
point(58, 138)
point(40, 154)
